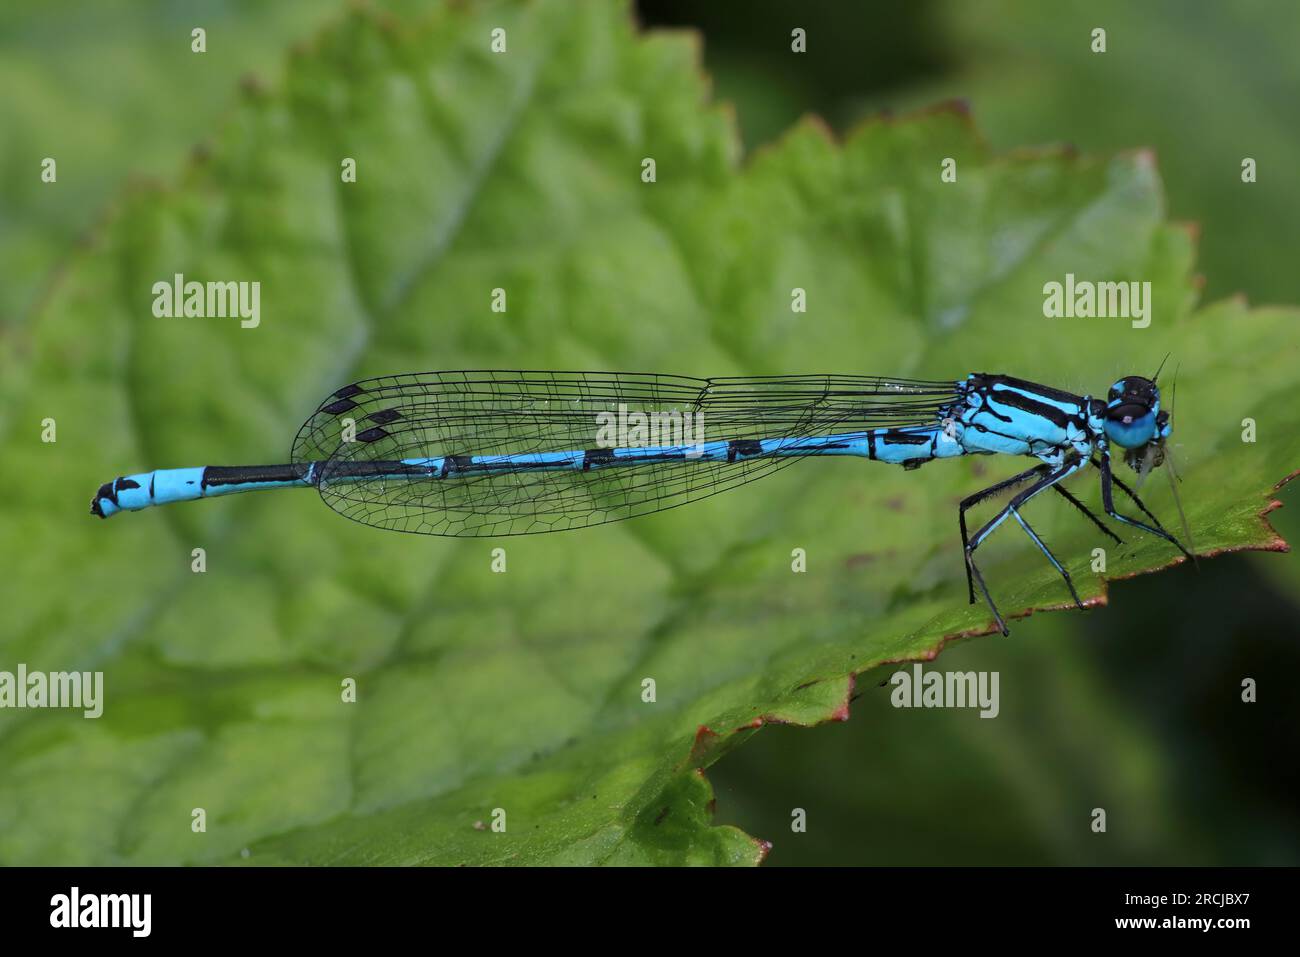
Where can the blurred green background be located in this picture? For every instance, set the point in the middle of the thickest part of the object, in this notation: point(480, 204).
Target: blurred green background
point(1124, 709)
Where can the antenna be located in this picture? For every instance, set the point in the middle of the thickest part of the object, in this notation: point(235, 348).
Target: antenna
point(1156, 377)
point(1174, 477)
point(1173, 394)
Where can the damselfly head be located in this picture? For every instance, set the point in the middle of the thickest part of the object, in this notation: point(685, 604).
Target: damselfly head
point(1133, 418)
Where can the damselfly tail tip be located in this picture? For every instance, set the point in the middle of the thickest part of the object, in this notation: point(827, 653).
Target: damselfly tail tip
point(105, 494)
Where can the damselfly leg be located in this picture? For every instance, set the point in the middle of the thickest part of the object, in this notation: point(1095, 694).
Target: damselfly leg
point(1107, 501)
point(1012, 508)
point(1039, 470)
point(971, 501)
point(1069, 497)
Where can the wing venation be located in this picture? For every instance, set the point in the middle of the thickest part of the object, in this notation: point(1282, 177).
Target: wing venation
point(455, 418)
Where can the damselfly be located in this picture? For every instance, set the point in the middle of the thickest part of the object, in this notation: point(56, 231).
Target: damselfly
point(513, 453)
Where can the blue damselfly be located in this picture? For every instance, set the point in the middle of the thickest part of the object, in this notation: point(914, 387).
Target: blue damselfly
point(492, 453)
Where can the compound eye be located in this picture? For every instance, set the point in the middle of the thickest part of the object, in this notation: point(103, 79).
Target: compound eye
point(1133, 391)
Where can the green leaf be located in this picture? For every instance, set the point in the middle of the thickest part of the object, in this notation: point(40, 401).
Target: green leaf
point(1041, 81)
point(523, 691)
point(99, 96)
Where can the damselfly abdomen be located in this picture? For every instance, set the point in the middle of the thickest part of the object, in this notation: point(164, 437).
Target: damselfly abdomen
point(496, 453)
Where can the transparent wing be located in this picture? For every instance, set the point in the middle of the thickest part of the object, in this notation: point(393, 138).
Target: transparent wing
point(448, 415)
